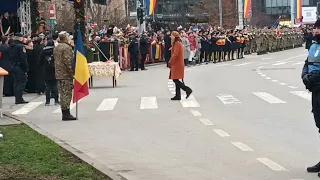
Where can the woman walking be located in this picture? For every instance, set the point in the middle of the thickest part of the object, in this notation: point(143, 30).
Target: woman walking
point(176, 65)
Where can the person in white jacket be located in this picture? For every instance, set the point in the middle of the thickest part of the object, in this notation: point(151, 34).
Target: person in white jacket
point(186, 46)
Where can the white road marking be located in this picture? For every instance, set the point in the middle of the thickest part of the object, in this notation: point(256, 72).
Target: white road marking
point(107, 104)
point(195, 113)
point(269, 98)
point(279, 63)
point(275, 81)
point(292, 87)
point(263, 75)
point(297, 179)
point(303, 94)
point(221, 133)
point(225, 64)
point(272, 165)
point(283, 84)
point(148, 103)
point(228, 99)
point(172, 89)
point(243, 64)
point(72, 105)
point(27, 108)
point(242, 146)
point(170, 85)
point(292, 57)
point(173, 92)
point(265, 58)
point(170, 82)
point(206, 122)
point(298, 63)
point(268, 78)
point(190, 102)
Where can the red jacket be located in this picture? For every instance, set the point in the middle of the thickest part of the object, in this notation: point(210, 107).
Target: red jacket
point(193, 43)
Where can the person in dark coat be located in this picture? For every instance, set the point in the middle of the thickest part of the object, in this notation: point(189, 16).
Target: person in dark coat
point(167, 47)
point(308, 38)
point(31, 83)
point(6, 64)
point(47, 62)
point(37, 50)
point(134, 53)
point(144, 50)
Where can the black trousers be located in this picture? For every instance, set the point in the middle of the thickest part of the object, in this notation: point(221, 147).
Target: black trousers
point(143, 60)
point(8, 88)
point(20, 81)
point(52, 89)
point(202, 55)
point(180, 85)
point(316, 108)
point(134, 61)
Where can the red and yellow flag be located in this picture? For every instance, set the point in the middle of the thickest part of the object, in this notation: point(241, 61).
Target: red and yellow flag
point(246, 8)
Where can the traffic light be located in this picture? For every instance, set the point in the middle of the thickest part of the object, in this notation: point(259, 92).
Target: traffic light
point(140, 14)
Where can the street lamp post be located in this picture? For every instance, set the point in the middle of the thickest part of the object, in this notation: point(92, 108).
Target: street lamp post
point(220, 12)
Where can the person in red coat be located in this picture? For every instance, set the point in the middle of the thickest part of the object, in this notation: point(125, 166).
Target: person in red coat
point(176, 65)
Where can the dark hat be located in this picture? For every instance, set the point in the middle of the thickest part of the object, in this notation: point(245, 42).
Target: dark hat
point(18, 35)
point(317, 24)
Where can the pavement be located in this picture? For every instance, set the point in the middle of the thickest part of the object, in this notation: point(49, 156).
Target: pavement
point(247, 119)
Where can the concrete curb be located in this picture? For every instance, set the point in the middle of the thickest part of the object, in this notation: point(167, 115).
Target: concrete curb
point(112, 175)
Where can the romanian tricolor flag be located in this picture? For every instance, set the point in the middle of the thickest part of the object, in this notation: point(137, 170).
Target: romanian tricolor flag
point(82, 73)
point(246, 8)
point(151, 6)
point(298, 9)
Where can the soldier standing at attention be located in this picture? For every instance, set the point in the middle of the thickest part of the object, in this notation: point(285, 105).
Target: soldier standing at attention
point(63, 58)
point(20, 67)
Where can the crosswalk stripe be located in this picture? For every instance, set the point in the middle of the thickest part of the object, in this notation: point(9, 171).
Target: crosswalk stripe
point(275, 80)
point(243, 64)
point(269, 98)
point(298, 63)
point(272, 165)
point(303, 94)
point(195, 113)
point(283, 84)
point(221, 132)
point(148, 103)
point(27, 108)
point(107, 104)
point(292, 87)
point(227, 99)
point(242, 146)
point(72, 105)
point(224, 64)
point(206, 122)
point(280, 63)
point(190, 102)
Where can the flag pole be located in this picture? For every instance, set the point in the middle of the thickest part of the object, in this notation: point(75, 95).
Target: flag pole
point(77, 109)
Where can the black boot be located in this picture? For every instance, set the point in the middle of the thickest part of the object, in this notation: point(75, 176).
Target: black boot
point(177, 97)
point(66, 116)
point(314, 169)
point(188, 92)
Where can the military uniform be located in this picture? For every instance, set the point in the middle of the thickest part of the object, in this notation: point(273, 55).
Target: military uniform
point(63, 56)
point(20, 68)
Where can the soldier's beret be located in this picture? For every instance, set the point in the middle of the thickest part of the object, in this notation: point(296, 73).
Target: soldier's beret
point(18, 35)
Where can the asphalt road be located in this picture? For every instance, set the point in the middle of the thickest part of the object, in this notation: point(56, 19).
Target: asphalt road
point(247, 119)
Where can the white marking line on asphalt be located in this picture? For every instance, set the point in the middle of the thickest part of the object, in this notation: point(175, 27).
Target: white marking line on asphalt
point(298, 63)
point(269, 98)
point(27, 108)
point(272, 165)
point(206, 122)
point(243, 64)
point(148, 103)
point(107, 104)
point(227, 99)
point(172, 89)
point(265, 58)
point(283, 84)
point(303, 94)
point(170, 85)
point(72, 105)
point(190, 102)
point(297, 179)
point(263, 75)
point(195, 113)
point(221, 133)
point(226, 64)
point(173, 92)
point(170, 82)
point(268, 78)
point(275, 81)
point(279, 63)
point(292, 87)
point(292, 57)
point(242, 146)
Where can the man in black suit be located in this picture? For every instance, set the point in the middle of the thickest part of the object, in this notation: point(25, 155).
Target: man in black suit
point(144, 50)
point(5, 64)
